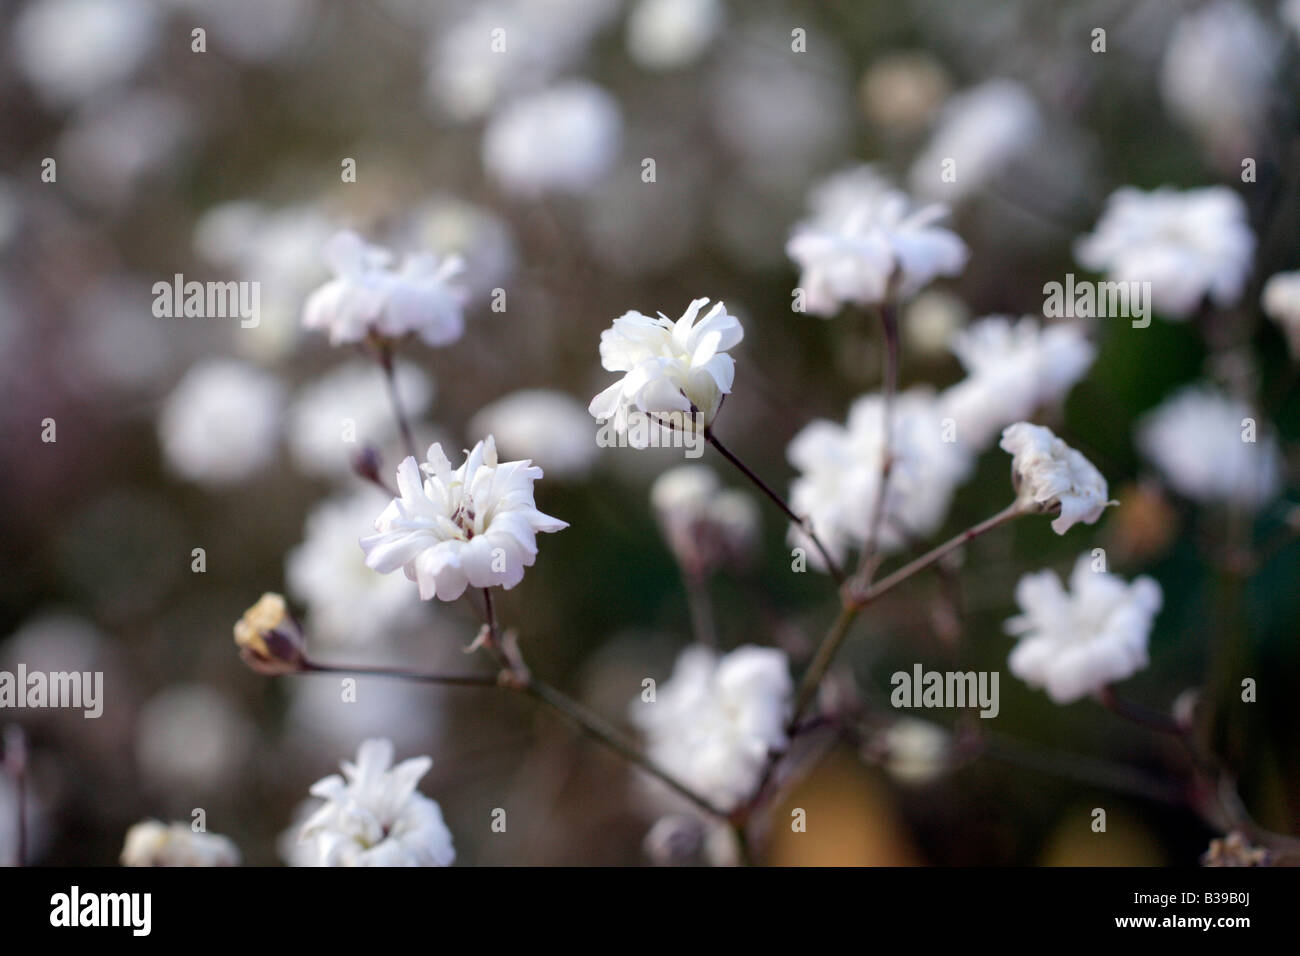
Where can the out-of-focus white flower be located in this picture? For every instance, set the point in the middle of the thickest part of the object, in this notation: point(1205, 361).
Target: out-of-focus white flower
point(1073, 643)
point(931, 320)
point(1198, 438)
point(368, 297)
point(221, 423)
point(669, 366)
point(348, 408)
point(706, 525)
point(475, 526)
point(1049, 474)
point(981, 130)
point(1281, 303)
point(450, 226)
point(151, 843)
point(506, 47)
point(903, 91)
point(1188, 245)
point(347, 602)
point(1217, 75)
point(915, 751)
point(714, 722)
point(541, 424)
point(374, 816)
point(667, 34)
point(562, 139)
point(866, 243)
point(190, 737)
point(840, 470)
point(72, 49)
point(1014, 368)
point(279, 248)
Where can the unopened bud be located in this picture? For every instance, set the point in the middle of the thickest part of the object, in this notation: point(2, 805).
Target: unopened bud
point(269, 639)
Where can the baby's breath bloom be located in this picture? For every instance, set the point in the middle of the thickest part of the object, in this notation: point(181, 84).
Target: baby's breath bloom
point(151, 843)
point(474, 526)
point(866, 242)
point(374, 816)
point(706, 525)
point(668, 366)
point(1049, 475)
point(368, 297)
point(1189, 245)
point(1073, 643)
point(1281, 303)
point(714, 722)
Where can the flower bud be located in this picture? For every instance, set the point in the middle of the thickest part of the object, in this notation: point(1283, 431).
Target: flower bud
point(269, 639)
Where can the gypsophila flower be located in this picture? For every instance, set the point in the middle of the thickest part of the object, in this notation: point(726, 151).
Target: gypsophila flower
point(706, 526)
point(668, 366)
point(368, 297)
point(152, 843)
point(1073, 643)
point(714, 722)
point(544, 425)
point(915, 751)
point(1189, 245)
point(1049, 475)
point(1198, 439)
point(474, 526)
point(347, 602)
point(560, 139)
point(865, 243)
point(981, 131)
point(1281, 303)
point(1014, 368)
point(840, 470)
point(221, 423)
point(374, 816)
point(666, 34)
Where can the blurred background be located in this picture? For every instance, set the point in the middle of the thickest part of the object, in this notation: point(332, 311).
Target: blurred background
point(176, 434)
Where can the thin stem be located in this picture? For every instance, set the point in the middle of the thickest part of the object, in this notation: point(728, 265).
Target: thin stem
point(889, 390)
point(598, 729)
point(858, 595)
point(762, 486)
point(701, 608)
point(1139, 714)
point(390, 377)
point(397, 673)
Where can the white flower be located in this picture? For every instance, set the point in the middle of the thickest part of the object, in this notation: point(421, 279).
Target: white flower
point(561, 139)
point(1188, 245)
point(151, 843)
point(221, 423)
point(705, 525)
point(916, 751)
point(1198, 440)
point(714, 722)
point(670, 366)
point(1073, 643)
point(1281, 303)
point(347, 409)
point(191, 737)
point(931, 320)
point(475, 526)
point(866, 243)
point(981, 130)
point(368, 297)
point(1014, 368)
point(665, 34)
point(1048, 473)
point(448, 225)
point(1218, 73)
point(374, 816)
point(72, 49)
point(347, 602)
point(546, 426)
point(840, 470)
